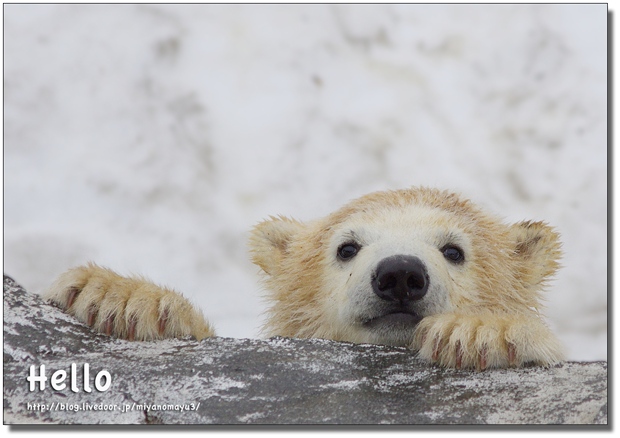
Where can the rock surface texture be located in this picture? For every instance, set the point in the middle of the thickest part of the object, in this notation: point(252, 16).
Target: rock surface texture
point(276, 381)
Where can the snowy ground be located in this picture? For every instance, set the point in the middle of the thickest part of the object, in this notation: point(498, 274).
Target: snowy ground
point(150, 138)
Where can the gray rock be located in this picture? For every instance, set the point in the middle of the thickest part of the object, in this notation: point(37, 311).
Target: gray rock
point(274, 381)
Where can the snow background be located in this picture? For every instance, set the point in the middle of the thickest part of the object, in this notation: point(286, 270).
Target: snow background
point(151, 138)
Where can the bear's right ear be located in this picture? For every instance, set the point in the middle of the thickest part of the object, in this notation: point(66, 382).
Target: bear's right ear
point(269, 241)
point(537, 246)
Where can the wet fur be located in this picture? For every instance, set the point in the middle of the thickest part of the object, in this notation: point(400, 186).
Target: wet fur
point(485, 313)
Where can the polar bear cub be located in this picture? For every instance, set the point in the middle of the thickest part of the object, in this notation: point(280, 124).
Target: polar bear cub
point(417, 268)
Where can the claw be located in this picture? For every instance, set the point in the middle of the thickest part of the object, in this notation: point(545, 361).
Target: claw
point(73, 291)
point(132, 328)
point(92, 314)
point(512, 353)
point(162, 321)
point(459, 355)
point(436, 349)
point(483, 358)
point(108, 324)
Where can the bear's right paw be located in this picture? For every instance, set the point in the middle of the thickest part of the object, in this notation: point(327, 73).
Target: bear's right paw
point(128, 308)
point(486, 340)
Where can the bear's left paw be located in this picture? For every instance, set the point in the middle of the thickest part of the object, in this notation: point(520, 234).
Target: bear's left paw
point(486, 341)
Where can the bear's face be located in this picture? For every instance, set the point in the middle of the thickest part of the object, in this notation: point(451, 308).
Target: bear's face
point(371, 271)
point(390, 268)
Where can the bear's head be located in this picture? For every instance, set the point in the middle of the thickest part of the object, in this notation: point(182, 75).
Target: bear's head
point(369, 272)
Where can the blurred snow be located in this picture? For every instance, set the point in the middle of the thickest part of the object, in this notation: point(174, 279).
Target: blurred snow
point(150, 138)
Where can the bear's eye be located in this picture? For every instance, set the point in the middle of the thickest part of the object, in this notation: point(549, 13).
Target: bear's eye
point(347, 251)
point(453, 253)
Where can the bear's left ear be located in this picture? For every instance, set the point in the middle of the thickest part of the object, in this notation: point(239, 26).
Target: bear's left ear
point(537, 246)
point(269, 241)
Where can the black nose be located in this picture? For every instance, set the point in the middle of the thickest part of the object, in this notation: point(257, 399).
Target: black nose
point(400, 277)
